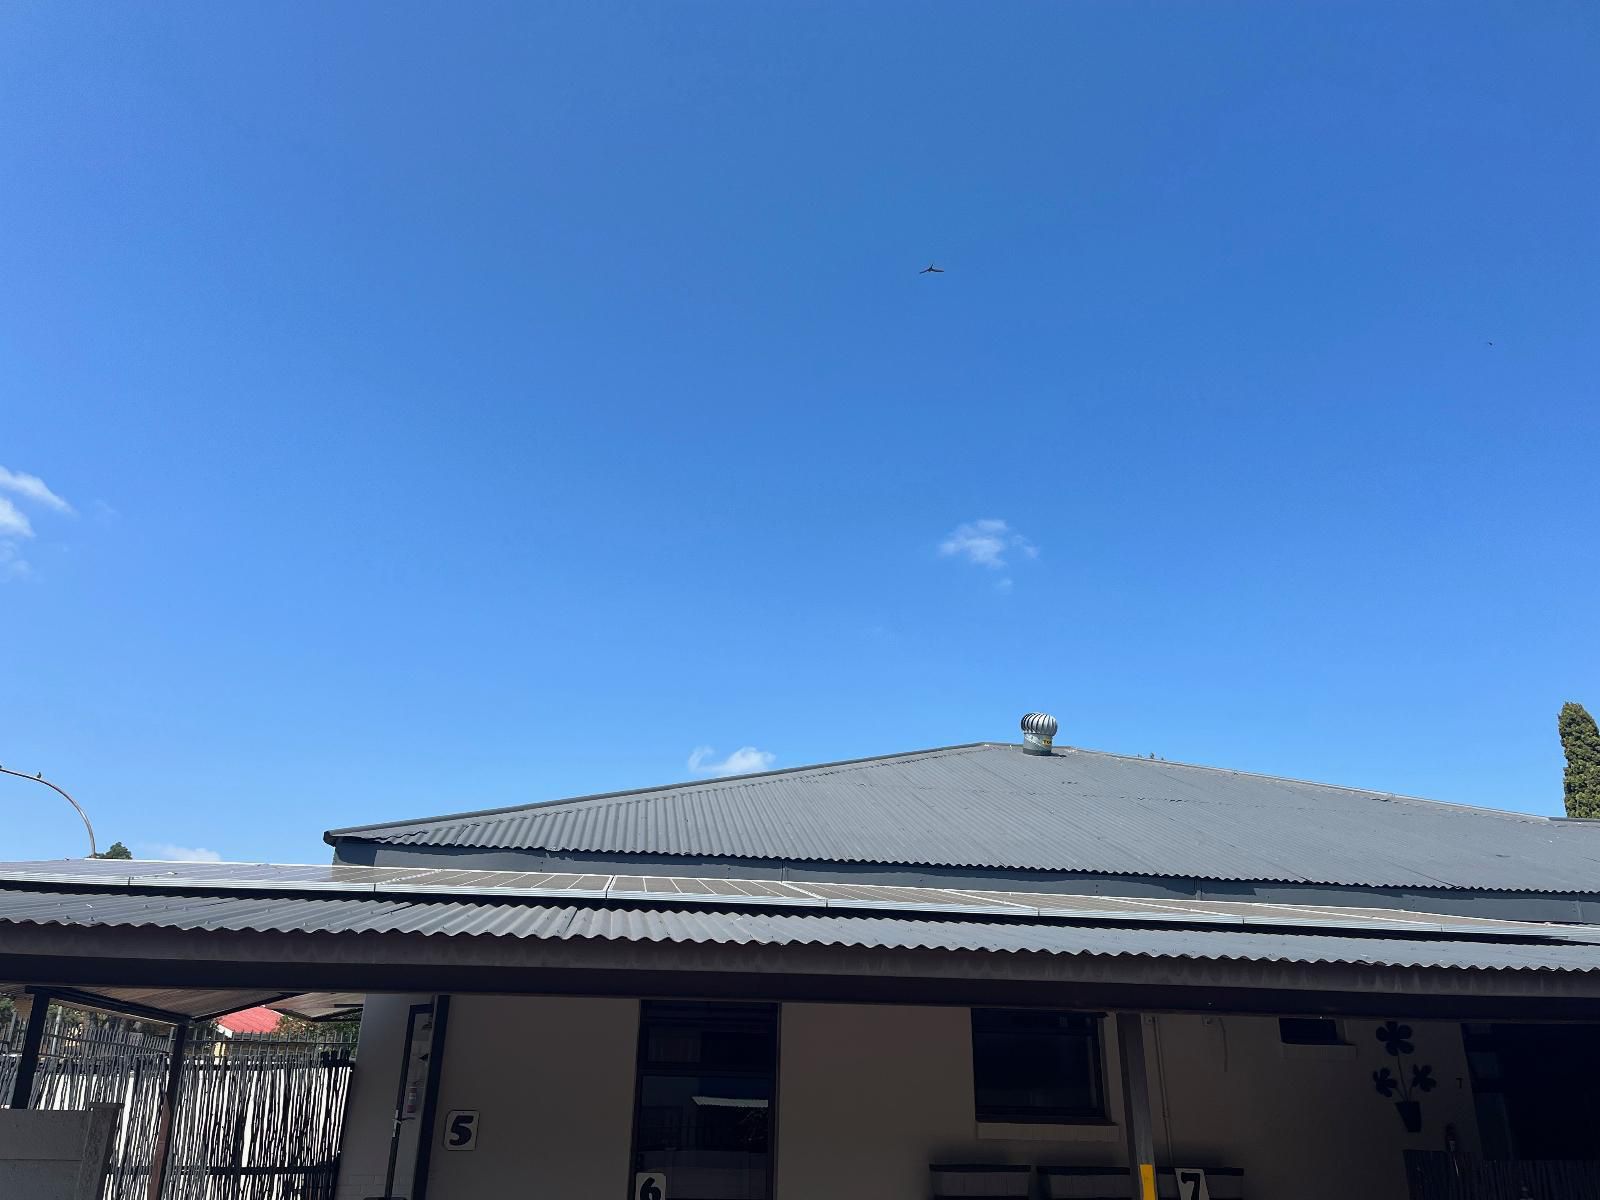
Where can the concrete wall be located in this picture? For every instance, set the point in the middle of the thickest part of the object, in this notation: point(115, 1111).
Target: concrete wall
point(55, 1155)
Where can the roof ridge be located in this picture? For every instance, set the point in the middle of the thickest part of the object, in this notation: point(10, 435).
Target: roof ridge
point(330, 836)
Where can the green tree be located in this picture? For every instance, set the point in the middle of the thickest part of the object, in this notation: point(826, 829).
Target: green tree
point(118, 850)
point(1580, 739)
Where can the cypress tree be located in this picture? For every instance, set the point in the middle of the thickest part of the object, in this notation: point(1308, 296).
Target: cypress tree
point(1580, 739)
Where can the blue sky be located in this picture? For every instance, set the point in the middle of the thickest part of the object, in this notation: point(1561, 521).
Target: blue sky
point(461, 406)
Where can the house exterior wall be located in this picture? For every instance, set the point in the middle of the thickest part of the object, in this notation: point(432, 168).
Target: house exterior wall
point(1304, 1121)
point(552, 1078)
point(369, 1108)
point(869, 1095)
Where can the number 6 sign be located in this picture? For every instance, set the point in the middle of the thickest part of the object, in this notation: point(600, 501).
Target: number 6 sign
point(650, 1185)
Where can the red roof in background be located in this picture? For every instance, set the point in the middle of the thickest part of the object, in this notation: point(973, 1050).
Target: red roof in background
point(251, 1020)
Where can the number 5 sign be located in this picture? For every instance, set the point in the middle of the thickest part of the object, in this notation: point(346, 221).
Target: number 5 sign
point(461, 1129)
point(650, 1185)
point(1192, 1184)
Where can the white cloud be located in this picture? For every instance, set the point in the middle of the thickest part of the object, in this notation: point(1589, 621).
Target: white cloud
point(985, 543)
point(742, 761)
point(14, 522)
point(15, 527)
point(167, 852)
point(32, 487)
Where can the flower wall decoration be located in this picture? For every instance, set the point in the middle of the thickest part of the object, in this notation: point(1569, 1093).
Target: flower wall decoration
point(1391, 1083)
point(1396, 1038)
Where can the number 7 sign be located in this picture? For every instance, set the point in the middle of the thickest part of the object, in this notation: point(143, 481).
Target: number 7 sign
point(1192, 1184)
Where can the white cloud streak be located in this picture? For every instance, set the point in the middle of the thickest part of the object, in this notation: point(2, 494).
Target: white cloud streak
point(15, 527)
point(33, 488)
point(167, 852)
point(985, 543)
point(743, 761)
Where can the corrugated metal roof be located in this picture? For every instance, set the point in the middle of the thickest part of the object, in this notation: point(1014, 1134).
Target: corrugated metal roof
point(415, 883)
point(615, 923)
point(993, 807)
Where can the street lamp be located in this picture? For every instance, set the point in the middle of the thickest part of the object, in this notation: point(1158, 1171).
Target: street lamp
point(78, 808)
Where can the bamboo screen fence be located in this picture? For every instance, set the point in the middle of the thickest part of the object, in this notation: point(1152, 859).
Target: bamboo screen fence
point(258, 1117)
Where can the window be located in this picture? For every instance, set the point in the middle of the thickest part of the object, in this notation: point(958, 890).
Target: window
point(703, 1114)
point(1309, 1031)
point(1036, 1067)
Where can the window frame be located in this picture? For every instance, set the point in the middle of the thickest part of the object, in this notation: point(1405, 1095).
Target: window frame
point(1291, 1031)
point(1094, 1028)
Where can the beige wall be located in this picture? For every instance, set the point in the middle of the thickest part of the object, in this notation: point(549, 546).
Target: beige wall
point(1302, 1121)
point(869, 1095)
point(553, 1081)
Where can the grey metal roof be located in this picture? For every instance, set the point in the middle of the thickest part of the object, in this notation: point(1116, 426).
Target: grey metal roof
point(992, 807)
point(416, 883)
point(570, 923)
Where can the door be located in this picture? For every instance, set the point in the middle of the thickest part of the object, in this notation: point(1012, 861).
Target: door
point(703, 1120)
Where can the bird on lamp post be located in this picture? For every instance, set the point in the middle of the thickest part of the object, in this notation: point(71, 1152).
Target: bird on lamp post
point(76, 807)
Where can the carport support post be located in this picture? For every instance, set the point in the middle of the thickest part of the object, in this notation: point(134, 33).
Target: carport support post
point(1136, 1106)
point(28, 1059)
point(169, 1111)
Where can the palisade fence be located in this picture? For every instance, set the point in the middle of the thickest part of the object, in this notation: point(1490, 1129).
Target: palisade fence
point(258, 1118)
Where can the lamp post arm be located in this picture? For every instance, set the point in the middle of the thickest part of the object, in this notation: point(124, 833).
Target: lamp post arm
point(76, 807)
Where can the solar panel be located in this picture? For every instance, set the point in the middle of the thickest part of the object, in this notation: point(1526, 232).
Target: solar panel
point(758, 891)
point(415, 883)
point(1087, 907)
point(886, 896)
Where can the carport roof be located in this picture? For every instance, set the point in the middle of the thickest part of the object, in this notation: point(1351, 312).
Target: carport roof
point(165, 1003)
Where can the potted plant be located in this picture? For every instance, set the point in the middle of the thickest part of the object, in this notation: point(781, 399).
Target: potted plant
point(1400, 1082)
